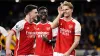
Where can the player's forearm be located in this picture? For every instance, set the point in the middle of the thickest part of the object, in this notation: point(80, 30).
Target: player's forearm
point(74, 45)
point(56, 21)
point(49, 41)
point(8, 40)
point(52, 41)
point(12, 42)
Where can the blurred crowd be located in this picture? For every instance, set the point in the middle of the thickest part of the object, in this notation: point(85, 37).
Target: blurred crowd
point(90, 34)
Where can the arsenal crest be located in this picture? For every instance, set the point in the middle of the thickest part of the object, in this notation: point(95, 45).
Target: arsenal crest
point(70, 26)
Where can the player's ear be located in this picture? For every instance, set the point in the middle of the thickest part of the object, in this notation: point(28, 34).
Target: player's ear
point(72, 10)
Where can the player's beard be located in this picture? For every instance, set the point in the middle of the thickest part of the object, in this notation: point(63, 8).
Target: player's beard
point(31, 20)
point(35, 19)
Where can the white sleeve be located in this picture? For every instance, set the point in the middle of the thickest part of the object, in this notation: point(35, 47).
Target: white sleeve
point(54, 32)
point(77, 29)
point(3, 31)
point(19, 26)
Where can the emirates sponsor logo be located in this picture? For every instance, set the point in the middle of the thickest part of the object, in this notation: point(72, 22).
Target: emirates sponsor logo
point(65, 31)
point(40, 34)
point(30, 34)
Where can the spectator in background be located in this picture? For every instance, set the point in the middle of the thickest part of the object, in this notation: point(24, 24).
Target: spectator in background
point(4, 33)
point(94, 53)
point(3, 41)
point(86, 53)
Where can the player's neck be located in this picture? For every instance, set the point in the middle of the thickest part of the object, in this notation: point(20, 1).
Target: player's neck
point(68, 18)
point(44, 21)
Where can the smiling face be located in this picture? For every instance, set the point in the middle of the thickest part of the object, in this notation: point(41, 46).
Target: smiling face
point(67, 7)
point(33, 14)
point(67, 11)
point(43, 13)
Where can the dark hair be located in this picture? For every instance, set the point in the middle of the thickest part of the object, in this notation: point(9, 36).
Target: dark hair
point(29, 8)
point(42, 7)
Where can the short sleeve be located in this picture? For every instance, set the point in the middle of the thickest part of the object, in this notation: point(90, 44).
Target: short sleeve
point(55, 32)
point(3, 31)
point(77, 28)
point(19, 26)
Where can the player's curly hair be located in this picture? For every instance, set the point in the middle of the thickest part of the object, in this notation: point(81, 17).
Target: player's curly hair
point(42, 7)
point(29, 8)
point(66, 3)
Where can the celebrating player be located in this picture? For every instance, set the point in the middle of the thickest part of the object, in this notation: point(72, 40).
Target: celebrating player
point(43, 34)
point(25, 33)
point(69, 31)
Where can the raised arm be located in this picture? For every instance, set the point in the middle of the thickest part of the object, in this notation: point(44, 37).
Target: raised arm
point(56, 20)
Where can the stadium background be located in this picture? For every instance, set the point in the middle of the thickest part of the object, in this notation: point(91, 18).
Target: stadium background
point(87, 12)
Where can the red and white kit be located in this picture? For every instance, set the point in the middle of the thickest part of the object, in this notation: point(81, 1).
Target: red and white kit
point(25, 33)
point(66, 36)
point(43, 48)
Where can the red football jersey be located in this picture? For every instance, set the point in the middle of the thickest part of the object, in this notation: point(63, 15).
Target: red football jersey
point(66, 33)
point(42, 47)
point(25, 33)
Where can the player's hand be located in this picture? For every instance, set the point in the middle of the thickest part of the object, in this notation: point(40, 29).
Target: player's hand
point(9, 52)
point(44, 37)
point(60, 10)
point(66, 54)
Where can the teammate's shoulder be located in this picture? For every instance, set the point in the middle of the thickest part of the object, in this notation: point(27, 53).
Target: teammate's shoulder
point(1, 28)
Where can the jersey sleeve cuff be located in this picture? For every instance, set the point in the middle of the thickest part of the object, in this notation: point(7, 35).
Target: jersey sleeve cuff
point(13, 31)
point(77, 35)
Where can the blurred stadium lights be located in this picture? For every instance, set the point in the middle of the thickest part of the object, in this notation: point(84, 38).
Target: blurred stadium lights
point(88, 0)
point(48, 0)
point(52, 0)
point(16, 1)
